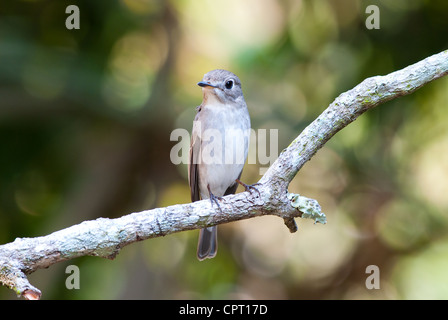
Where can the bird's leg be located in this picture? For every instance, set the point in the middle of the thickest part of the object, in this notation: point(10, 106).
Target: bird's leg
point(214, 198)
point(249, 187)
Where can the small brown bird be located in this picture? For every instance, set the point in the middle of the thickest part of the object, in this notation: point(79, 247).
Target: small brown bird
point(219, 146)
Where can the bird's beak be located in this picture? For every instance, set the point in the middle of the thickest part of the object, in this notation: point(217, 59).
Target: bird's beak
point(205, 84)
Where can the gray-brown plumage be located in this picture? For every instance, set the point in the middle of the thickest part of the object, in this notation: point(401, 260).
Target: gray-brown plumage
point(219, 146)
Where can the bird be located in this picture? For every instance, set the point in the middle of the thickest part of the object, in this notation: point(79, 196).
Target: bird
point(219, 147)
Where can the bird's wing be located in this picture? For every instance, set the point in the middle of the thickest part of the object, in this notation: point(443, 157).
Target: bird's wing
point(195, 151)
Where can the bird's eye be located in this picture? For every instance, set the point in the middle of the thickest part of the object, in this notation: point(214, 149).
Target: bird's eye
point(229, 84)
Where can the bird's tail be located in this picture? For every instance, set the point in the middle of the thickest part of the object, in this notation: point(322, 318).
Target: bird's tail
point(208, 243)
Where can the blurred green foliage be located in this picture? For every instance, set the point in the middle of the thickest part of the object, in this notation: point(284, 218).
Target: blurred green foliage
point(86, 116)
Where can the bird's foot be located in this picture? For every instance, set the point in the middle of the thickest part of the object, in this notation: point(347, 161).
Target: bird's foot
point(249, 187)
point(214, 199)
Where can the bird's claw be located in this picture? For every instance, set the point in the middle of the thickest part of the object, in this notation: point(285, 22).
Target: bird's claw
point(214, 199)
point(249, 187)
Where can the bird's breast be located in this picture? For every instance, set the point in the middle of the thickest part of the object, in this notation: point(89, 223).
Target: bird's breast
point(224, 134)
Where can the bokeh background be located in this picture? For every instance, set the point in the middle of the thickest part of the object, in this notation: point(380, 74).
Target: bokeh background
point(86, 117)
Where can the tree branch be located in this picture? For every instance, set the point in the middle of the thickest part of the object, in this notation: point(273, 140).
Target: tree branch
point(105, 237)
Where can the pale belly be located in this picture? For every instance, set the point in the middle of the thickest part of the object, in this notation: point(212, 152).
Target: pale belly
point(224, 150)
